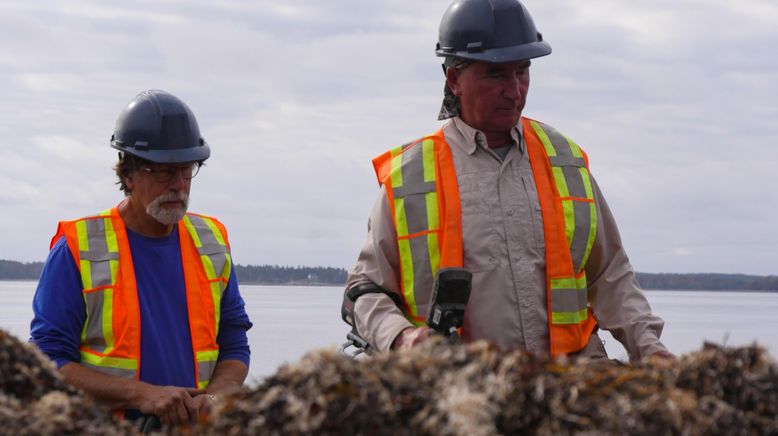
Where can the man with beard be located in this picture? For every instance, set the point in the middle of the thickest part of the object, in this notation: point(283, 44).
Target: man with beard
point(508, 198)
point(138, 305)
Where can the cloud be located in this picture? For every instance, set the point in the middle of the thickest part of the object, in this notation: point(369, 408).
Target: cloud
point(673, 100)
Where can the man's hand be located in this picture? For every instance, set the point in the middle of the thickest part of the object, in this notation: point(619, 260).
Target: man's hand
point(411, 337)
point(204, 403)
point(173, 405)
point(662, 355)
point(662, 359)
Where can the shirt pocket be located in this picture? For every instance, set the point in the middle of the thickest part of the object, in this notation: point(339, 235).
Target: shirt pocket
point(479, 233)
point(536, 214)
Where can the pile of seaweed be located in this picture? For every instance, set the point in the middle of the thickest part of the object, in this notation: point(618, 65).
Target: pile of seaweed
point(439, 389)
point(479, 389)
point(34, 400)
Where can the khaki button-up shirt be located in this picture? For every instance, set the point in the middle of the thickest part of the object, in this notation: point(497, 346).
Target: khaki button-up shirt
point(504, 249)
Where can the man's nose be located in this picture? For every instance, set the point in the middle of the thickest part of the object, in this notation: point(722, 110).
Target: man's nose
point(512, 88)
point(178, 182)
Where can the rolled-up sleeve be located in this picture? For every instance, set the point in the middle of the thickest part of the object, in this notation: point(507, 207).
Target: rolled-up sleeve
point(615, 295)
point(378, 319)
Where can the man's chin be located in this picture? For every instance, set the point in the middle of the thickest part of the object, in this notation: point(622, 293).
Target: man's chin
point(168, 216)
point(506, 118)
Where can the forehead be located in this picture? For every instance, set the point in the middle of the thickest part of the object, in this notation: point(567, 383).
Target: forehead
point(506, 66)
point(154, 165)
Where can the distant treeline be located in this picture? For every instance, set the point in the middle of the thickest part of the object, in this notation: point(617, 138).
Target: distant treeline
point(303, 275)
point(290, 275)
point(12, 270)
point(247, 274)
point(710, 282)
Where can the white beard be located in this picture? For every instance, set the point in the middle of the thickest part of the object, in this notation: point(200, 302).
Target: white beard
point(168, 215)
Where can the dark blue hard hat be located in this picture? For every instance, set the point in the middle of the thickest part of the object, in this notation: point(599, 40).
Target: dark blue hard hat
point(159, 127)
point(493, 31)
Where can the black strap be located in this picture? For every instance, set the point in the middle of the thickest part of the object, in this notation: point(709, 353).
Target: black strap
point(370, 288)
point(347, 313)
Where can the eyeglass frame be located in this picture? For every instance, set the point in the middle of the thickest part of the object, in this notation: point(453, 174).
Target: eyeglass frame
point(166, 175)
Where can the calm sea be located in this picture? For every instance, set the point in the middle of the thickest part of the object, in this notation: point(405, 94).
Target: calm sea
point(290, 320)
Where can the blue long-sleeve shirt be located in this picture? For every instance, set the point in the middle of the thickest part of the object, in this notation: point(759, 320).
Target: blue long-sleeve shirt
point(166, 347)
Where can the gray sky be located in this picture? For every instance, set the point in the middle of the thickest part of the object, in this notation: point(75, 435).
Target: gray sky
point(676, 103)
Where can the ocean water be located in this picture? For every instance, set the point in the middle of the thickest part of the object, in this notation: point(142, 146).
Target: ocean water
point(292, 320)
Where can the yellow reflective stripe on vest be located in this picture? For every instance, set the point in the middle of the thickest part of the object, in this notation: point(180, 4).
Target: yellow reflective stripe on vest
point(97, 332)
point(413, 178)
point(569, 301)
point(397, 178)
point(431, 200)
point(116, 366)
point(433, 220)
point(592, 213)
point(401, 225)
point(573, 184)
point(206, 364)
point(213, 255)
point(99, 263)
point(550, 150)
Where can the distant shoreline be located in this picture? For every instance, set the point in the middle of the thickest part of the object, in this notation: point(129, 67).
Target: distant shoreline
point(278, 275)
point(330, 285)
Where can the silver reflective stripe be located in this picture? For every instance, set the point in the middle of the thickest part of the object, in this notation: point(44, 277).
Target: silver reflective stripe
point(564, 155)
point(568, 300)
point(98, 255)
point(413, 195)
point(422, 282)
point(565, 161)
point(94, 320)
point(210, 246)
point(413, 174)
point(205, 370)
point(575, 186)
point(116, 372)
point(582, 211)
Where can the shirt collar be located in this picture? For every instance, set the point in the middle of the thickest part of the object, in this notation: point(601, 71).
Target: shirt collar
point(474, 138)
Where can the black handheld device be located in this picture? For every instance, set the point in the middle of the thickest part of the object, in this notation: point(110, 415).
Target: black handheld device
point(450, 294)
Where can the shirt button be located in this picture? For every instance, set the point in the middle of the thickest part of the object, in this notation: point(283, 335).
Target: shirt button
point(509, 212)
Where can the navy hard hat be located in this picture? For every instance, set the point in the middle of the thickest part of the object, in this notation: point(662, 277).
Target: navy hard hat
point(493, 31)
point(157, 126)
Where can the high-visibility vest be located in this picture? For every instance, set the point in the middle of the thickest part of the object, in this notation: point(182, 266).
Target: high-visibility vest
point(110, 339)
point(423, 195)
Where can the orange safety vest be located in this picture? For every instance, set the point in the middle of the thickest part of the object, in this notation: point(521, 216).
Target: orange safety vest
point(423, 195)
point(110, 340)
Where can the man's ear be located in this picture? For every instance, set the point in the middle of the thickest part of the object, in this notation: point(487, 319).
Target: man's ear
point(130, 182)
point(452, 78)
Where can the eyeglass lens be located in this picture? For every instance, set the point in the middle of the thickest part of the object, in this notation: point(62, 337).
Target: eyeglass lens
point(165, 175)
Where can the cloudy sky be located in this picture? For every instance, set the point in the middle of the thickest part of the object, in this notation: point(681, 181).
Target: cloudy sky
point(676, 103)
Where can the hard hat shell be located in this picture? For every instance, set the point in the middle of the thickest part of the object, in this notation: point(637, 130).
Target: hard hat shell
point(159, 127)
point(493, 31)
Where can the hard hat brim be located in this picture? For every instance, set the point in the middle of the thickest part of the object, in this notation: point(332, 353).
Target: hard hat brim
point(175, 155)
point(502, 54)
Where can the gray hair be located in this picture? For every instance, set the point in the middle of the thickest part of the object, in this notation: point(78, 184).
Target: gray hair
point(450, 107)
point(127, 165)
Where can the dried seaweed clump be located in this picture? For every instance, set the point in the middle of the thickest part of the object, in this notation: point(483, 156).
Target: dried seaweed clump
point(479, 389)
point(25, 373)
point(34, 399)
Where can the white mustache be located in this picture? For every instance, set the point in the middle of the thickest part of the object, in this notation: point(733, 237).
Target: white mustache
point(171, 196)
point(168, 215)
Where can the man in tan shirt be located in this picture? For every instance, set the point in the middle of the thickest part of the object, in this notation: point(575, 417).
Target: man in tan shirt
point(487, 46)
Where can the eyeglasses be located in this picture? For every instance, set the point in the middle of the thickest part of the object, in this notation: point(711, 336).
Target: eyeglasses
point(167, 174)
